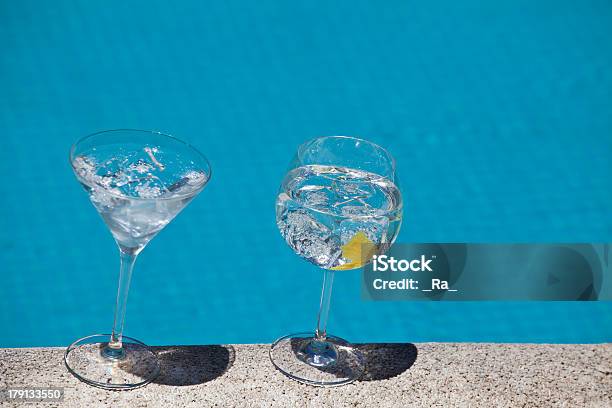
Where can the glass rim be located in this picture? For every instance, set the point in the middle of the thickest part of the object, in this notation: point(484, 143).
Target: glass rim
point(195, 191)
point(376, 145)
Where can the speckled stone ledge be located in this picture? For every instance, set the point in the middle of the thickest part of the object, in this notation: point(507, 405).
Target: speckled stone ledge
point(399, 375)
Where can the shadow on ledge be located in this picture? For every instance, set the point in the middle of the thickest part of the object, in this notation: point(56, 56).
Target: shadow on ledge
point(191, 365)
point(387, 360)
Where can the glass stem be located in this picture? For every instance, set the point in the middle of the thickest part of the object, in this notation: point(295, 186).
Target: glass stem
point(128, 258)
point(328, 281)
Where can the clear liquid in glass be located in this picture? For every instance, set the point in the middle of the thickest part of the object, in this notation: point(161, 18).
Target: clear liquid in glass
point(139, 192)
point(322, 209)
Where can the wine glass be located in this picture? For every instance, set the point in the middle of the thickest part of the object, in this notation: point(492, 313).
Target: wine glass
point(338, 205)
point(138, 181)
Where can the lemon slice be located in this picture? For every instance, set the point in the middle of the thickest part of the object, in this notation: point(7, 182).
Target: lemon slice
point(358, 250)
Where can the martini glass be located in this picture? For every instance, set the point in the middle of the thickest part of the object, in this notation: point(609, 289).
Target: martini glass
point(338, 205)
point(138, 181)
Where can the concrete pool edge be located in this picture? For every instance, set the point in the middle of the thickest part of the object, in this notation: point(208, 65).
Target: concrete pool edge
point(420, 374)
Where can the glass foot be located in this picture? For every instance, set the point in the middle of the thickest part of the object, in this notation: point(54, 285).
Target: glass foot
point(91, 361)
point(330, 363)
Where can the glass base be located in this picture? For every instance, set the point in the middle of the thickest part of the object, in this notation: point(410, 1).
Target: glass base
point(328, 363)
point(93, 362)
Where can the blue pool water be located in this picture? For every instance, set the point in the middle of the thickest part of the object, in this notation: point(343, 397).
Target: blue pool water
point(499, 115)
